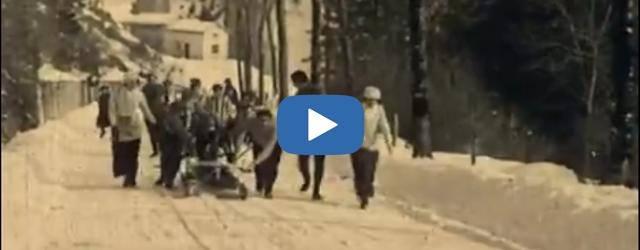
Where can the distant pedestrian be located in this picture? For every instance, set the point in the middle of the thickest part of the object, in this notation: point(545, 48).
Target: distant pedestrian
point(365, 160)
point(231, 91)
point(220, 105)
point(102, 122)
point(305, 87)
point(127, 111)
point(196, 95)
point(154, 93)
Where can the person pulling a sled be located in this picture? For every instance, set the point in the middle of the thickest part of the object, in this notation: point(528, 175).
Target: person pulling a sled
point(261, 131)
point(175, 141)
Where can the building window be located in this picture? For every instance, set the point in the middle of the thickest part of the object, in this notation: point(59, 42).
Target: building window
point(215, 49)
point(215, 35)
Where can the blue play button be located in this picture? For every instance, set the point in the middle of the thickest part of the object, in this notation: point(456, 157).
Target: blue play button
point(320, 124)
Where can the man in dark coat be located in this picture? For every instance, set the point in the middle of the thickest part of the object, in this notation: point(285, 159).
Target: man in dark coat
point(175, 139)
point(305, 87)
point(154, 92)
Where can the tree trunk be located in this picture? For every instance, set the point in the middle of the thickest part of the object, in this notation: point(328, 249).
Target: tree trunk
point(328, 46)
point(634, 70)
point(248, 48)
point(473, 144)
point(420, 103)
point(633, 173)
point(264, 16)
point(624, 69)
point(589, 170)
point(315, 41)
point(260, 71)
point(632, 89)
point(238, 38)
point(345, 43)
point(283, 52)
point(273, 53)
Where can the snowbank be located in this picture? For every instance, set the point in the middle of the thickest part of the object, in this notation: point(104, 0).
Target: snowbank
point(557, 179)
point(538, 205)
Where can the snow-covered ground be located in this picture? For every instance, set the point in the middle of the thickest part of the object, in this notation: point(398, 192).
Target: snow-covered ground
point(58, 194)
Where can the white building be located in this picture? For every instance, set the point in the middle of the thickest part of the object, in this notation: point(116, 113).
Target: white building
point(194, 39)
point(168, 27)
point(150, 28)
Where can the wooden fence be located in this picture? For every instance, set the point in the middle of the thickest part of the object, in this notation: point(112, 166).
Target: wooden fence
point(30, 105)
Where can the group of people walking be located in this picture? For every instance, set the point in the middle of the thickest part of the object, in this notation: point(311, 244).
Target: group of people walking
point(180, 123)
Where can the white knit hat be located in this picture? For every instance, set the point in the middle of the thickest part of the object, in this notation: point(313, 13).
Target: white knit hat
point(373, 93)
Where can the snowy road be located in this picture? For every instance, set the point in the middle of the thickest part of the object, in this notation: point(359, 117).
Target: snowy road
point(58, 194)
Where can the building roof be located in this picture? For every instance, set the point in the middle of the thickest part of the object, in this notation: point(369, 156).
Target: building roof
point(150, 19)
point(192, 25)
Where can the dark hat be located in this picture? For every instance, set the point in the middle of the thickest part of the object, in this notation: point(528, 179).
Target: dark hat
point(195, 82)
point(217, 86)
point(299, 75)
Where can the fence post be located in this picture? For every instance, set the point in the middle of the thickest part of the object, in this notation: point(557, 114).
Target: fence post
point(39, 104)
point(396, 128)
point(474, 139)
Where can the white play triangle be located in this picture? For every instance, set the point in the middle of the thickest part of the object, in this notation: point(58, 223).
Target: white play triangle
point(318, 124)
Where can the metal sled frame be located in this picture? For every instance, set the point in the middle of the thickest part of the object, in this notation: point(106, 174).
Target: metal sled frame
point(192, 182)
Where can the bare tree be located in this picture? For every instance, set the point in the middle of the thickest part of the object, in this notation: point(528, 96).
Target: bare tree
point(626, 90)
point(264, 16)
point(248, 9)
point(275, 68)
point(420, 102)
point(238, 35)
point(327, 43)
point(315, 40)
point(633, 15)
point(283, 70)
point(345, 43)
point(587, 34)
